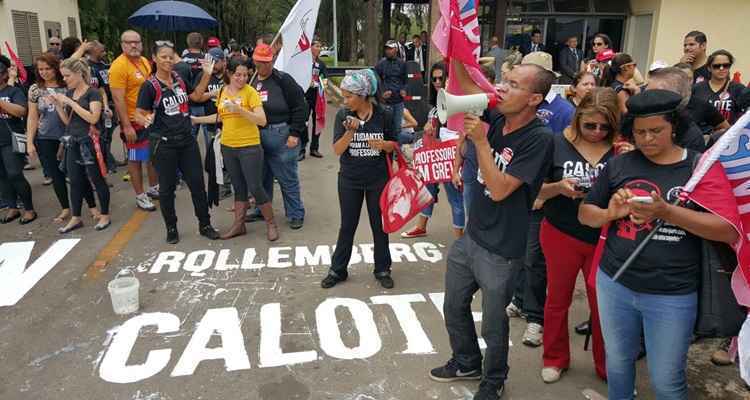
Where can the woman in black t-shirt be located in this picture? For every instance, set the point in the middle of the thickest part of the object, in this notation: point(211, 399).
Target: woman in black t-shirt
point(720, 91)
point(163, 107)
point(582, 85)
point(619, 76)
point(363, 140)
point(580, 153)
point(12, 182)
point(658, 293)
point(80, 108)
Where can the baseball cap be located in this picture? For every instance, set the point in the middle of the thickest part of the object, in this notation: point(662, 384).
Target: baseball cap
point(263, 53)
point(392, 44)
point(216, 53)
point(213, 42)
point(541, 59)
point(658, 64)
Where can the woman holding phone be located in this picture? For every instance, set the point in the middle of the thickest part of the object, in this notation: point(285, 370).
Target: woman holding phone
point(658, 293)
point(363, 139)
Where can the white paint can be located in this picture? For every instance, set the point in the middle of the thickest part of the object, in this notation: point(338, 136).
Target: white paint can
point(124, 292)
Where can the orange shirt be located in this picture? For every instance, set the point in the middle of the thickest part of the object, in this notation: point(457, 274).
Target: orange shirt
point(129, 75)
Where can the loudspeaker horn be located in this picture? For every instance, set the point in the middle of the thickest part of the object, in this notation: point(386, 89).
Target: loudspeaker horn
point(450, 104)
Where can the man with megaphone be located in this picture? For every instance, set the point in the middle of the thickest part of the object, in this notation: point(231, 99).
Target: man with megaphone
point(513, 157)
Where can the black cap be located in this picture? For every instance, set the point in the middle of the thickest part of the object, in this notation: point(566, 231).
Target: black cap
point(653, 102)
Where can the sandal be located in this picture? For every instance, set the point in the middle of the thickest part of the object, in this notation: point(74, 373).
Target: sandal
point(10, 218)
point(24, 221)
point(65, 230)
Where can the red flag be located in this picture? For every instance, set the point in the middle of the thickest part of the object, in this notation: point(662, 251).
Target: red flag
point(723, 188)
point(19, 64)
point(320, 110)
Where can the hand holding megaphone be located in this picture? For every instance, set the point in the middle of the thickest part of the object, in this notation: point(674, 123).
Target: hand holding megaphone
point(450, 104)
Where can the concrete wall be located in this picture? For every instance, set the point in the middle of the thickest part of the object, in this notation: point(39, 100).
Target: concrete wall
point(46, 10)
point(725, 22)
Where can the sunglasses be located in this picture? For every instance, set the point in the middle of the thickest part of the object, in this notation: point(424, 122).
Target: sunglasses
point(164, 43)
point(54, 44)
point(721, 66)
point(591, 126)
point(597, 44)
point(437, 78)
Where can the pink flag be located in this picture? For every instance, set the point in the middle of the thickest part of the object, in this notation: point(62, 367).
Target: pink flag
point(457, 36)
point(19, 64)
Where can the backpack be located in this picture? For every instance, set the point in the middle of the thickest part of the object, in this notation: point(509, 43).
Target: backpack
point(157, 89)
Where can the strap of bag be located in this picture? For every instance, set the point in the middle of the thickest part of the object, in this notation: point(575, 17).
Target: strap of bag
point(157, 88)
point(400, 160)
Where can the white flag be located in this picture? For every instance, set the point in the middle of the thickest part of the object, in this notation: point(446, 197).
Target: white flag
point(295, 57)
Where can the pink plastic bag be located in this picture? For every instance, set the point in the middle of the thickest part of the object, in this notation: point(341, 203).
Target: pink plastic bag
point(403, 197)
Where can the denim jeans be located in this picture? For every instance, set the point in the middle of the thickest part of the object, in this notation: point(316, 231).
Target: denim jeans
point(454, 198)
point(469, 176)
point(199, 111)
point(398, 115)
point(531, 284)
point(667, 322)
point(280, 162)
point(470, 268)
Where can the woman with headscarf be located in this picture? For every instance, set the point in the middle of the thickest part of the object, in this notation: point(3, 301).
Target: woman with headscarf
point(363, 139)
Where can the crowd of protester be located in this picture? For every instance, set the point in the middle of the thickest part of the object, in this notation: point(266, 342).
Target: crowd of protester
point(537, 182)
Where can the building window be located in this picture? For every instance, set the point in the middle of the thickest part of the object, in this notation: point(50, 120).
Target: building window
point(571, 6)
point(72, 27)
point(28, 40)
point(609, 6)
point(524, 6)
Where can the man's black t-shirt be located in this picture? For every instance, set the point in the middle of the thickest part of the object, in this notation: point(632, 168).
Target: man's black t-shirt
point(526, 153)
point(726, 100)
point(670, 262)
point(361, 165)
point(193, 60)
point(78, 126)
point(562, 211)
point(703, 114)
point(100, 77)
point(14, 95)
point(274, 102)
point(701, 74)
point(214, 86)
point(171, 116)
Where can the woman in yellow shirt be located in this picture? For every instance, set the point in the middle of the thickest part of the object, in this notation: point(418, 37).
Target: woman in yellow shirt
point(241, 112)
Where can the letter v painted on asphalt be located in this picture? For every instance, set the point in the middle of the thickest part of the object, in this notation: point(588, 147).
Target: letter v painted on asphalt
point(17, 280)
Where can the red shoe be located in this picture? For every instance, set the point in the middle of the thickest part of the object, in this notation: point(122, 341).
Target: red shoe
point(414, 233)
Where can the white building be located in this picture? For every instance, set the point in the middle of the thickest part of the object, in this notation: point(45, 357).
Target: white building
point(27, 25)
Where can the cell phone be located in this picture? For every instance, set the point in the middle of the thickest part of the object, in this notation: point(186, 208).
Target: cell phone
point(582, 188)
point(642, 199)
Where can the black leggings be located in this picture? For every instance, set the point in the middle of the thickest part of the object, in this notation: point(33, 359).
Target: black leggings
point(169, 157)
point(47, 151)
point(81, 178)
point(350, 201)
point(12, 182)
point(310, 135)
point(245, 167)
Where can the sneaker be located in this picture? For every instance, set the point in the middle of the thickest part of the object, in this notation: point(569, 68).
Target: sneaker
point(385, 281)
point(414, 233)
point(173, 237)
point(532, 337)
point(47, 181)
point(583, 328)
point(296, 223)
point(153, 192)
point(316, 154)
point(144, 203)
point(489, 391)
point(721, 355)
point(512, 311)
point(451, 371)
point(330, 281)
point(551, 374)
point(209, 232)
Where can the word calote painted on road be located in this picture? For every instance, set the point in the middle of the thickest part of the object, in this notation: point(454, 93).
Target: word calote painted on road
point(226, 324)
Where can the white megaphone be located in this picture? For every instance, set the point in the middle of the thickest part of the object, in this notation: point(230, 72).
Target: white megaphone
point(449, 104)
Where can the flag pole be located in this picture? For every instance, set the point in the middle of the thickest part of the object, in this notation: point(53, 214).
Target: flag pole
point(700, 170)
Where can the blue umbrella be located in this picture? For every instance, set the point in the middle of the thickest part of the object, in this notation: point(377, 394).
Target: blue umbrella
point(172, 16)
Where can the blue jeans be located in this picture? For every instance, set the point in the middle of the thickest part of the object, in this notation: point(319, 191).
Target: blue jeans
point(280, 162)
point(667, 322)
point(469, 176)
point(398, 115)
point(454, 198)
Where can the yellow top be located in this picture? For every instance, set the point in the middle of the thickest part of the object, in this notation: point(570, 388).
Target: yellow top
point(238, 131)
point(129, 75)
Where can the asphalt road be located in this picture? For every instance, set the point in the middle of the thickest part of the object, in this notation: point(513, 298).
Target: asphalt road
point(241, 319)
